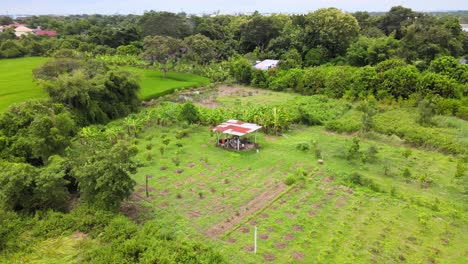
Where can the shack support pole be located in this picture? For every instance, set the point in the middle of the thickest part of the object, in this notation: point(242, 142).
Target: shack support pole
point(255, 240)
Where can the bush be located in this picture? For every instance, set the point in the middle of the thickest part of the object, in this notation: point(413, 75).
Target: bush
point(303, 146)
point(290, 180)
point(348, 123)
point(317, 109)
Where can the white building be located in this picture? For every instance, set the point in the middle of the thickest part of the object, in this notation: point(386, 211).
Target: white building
point(266, 64)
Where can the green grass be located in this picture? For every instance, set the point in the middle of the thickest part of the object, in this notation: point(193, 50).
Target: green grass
point(17, 84)
point(153, 85)
point(16, 81)
point(330, 220)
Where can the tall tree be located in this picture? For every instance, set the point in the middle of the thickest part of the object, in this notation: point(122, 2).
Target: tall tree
point(165, 24)
point(331, 29)
point(103, 171)
point(162, 50)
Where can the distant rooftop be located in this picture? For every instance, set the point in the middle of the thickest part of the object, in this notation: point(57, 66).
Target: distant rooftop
point(266, 64)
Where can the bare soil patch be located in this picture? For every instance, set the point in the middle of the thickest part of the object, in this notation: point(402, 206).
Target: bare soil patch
point(244, 229)
point(178, 171)
point(194, 214)
point(253, 222)
point(312, 213)
point(247, 209)
point(288, 237)
point(249, 248)
point(191, 164)
point(264, 215)
point(298, 255)
point(191, 179)
point(231, 240)
point(280, 245)
point(297, 228)
point(271, 138)
point(328, 179)
point(264, 236)
point(289, 214)
point(164, 193)
point(268, 257)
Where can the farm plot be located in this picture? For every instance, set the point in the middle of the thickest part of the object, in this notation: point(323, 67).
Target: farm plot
point(16, 81)
point(153, 85)
point(222, 195)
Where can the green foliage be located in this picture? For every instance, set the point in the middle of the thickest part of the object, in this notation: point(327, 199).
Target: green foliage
point(189, 113)
point(402, 123)
point(406, 173)
point(16, 183)
point(103, 174)
point(291, 79)
point(95, 99)
point(460, 170)
point(348, 123)
point(353, 151)
point(35, 130)
point(162, 50)
point(290, 180)
point(368, 109)
point(240, 69)
point(317, 109)
point(426, 112)
point(304, 146)
point(371, 154)
point(200, 49)
point(331, 29)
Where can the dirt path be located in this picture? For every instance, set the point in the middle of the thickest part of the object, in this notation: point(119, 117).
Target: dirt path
point(255, 204)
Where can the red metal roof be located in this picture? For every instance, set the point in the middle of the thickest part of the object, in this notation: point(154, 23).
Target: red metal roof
point(50, 33)
point(236, 127)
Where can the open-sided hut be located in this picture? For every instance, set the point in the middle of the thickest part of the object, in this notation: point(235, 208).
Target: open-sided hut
point(236, 135)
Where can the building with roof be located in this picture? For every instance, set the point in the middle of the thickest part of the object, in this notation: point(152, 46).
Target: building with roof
point(23, 30)
point(464, 27)
point(236, 129)
point(50, 33)
point(266, 64)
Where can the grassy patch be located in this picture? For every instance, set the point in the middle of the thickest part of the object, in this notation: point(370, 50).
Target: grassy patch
point(16, 81)
point(325, 217)
point(153, 85)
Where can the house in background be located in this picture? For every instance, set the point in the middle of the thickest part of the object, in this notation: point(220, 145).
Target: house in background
point(464, 27)
point(23, 30)
point(50, 33)
point(266, 64)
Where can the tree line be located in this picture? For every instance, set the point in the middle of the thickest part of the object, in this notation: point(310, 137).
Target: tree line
point(325, 35)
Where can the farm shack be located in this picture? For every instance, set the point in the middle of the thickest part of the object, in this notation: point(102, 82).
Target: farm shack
point(235, 134)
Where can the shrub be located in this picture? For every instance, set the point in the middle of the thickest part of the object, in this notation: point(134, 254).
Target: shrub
point(303, 146)
point(149, 146)
point(348, 123)
point(353, 151)
point(371, 153)
point(290, 180)
point(317, 109)
point(176, 161)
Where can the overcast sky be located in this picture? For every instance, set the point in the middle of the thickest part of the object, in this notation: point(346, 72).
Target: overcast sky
point(209, 6)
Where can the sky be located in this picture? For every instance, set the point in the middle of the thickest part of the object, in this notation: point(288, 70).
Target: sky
point(37, 7)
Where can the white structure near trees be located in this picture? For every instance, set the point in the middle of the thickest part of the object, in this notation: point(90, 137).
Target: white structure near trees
point(266, 64)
